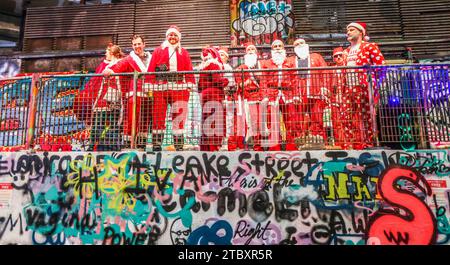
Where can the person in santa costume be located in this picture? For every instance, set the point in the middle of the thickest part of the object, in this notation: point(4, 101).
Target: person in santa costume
point(137, 61)
point(234, 109)
point(107, 119)
point(337, 91)
point(211, 86)
point(82, 104)
point(170, 87)
point(248, 84)
point(312, 95)
point(358, 121)
point(279, 89)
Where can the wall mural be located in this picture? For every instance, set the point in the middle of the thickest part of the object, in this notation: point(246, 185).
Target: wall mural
point(56, 125)
point(195, 198)
point(9, 67)
point(261, 21)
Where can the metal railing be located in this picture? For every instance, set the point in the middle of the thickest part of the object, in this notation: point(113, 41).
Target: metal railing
point(402, 107)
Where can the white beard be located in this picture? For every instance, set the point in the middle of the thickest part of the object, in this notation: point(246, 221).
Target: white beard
point(250, 60)
point(278, 57)
point(302, 51)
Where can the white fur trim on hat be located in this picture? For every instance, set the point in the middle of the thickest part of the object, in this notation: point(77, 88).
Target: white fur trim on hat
point(224, 52)
point(358, 26)
point(275, 42)
point(251, 45)
point(170, 30)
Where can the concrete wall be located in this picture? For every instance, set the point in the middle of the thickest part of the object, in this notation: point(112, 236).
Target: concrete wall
point(320, 197)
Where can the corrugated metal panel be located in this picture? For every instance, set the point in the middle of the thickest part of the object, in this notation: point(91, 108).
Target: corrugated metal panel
point(201, 21)
point(117, 19)
point(427, 20)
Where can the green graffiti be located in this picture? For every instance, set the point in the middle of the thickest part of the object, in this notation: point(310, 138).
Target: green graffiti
point(185, 213)
point(406, 137)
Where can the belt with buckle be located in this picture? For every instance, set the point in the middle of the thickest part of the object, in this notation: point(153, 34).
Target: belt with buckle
point(253, 90)
point(284, 88)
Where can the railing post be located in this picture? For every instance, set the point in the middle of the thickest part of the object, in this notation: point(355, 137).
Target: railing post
point(35, 84)
point(372, 107)
point(245, 110)
point(423, 143)
point(133, 121)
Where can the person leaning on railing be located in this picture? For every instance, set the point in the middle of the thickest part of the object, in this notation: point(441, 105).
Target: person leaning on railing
point(211, 86)
point(279, 90)
point(235, 128)
point(358, 121)
point(311, 98)
point(248, 85)
point(137, 61)
point(107, 119)
point(169, 87)
point(337, 82)
point(83, 102)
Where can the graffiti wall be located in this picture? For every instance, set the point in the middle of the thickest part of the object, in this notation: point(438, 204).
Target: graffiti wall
point(9, 67)
point(195, 198)
point(261, 21)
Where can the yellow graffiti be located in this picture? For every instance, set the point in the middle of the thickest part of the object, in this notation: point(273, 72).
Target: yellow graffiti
point(82, 177)
point(116, 182)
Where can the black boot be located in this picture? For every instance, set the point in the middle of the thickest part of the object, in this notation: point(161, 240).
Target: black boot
point(178, 142)
point(157, 139)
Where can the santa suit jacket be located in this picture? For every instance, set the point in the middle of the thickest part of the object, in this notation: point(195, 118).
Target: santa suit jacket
point(313, 83)
point(161, 57)
point(270, 80)
point(131, 63)
point(251, 91)
point(83, 102)
point(212, 80)
point(109, 92)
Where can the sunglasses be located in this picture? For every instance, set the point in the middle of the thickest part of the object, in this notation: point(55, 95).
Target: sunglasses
point(337, 55)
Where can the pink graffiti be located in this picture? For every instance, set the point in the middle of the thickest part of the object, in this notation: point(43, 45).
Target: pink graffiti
point(417, 226)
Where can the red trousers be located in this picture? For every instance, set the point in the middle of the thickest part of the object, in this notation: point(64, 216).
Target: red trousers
point(290, 120)
point(338, 124)
point(254, 123)
point(314, 107)
point(143, 115)
point(235, 123)
point(178, 100)
point(213, 119)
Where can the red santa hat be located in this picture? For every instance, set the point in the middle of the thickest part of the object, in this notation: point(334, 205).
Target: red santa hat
point(213, 56)
point(173, 29)
point(210, 51)
point(299, 41)
point(248, 45)
point(224, 50)
point(361, 26)
point(338, 50)
point(275, 42)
